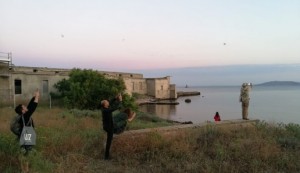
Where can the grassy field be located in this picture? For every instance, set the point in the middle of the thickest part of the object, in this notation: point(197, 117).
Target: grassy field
point(72, 141)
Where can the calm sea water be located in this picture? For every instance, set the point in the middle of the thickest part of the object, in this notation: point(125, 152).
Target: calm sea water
point(272, 104)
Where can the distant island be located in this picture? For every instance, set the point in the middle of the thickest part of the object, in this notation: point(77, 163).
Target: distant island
point(279, 83)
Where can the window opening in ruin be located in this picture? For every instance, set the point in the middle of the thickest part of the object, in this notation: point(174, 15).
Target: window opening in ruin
point(18, 86)
point(161, 87)
point(132, 86)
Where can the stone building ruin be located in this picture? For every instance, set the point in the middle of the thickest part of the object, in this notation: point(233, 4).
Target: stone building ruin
point(19, 82)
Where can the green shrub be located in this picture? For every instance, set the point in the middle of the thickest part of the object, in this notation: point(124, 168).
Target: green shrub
point(86, 88)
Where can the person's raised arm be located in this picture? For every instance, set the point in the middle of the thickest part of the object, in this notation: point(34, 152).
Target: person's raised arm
point(36, 95)
point(32, 104)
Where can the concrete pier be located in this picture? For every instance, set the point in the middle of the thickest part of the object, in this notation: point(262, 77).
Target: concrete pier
point(191, 93)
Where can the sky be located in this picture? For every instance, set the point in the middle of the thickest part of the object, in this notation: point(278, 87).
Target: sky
point(228, 75)
point(124, 35)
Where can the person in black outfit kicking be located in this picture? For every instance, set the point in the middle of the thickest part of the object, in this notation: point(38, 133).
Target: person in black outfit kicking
point(107, 108)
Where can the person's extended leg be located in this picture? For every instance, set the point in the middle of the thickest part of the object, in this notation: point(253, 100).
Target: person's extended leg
point(108, 144)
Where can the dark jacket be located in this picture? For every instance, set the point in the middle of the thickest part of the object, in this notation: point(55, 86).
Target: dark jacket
point(31, 108)
point(107, 119)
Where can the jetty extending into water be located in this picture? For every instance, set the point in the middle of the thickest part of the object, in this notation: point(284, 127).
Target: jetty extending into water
point(189, 93)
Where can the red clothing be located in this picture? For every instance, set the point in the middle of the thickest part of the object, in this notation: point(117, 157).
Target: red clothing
point(217, 118)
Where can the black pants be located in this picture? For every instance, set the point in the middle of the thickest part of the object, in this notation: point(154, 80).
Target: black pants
point(109, 138)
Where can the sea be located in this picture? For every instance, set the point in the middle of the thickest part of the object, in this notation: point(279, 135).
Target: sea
point(273, 104)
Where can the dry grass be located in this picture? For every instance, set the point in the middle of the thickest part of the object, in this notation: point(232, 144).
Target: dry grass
point(71, 143)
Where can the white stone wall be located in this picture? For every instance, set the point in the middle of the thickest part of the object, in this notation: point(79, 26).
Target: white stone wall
point(162, 88)
point(159, 87)
point(135, 86)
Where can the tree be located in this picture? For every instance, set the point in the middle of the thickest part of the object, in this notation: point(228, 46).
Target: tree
point(86, 88)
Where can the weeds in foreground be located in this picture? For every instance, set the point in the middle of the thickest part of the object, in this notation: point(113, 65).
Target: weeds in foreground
point(71, 143)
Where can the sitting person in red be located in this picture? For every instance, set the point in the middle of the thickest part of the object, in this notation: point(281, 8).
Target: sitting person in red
point(217, 117)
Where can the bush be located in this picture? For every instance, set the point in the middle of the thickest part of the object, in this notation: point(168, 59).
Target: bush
point(86, 88)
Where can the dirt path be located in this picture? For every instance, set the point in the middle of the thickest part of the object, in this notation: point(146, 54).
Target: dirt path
point(174, 128)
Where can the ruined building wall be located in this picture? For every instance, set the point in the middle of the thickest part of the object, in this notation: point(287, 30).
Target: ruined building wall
point(159, 87)
point(19, 82)
point(5, 84)
point(135, 86)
